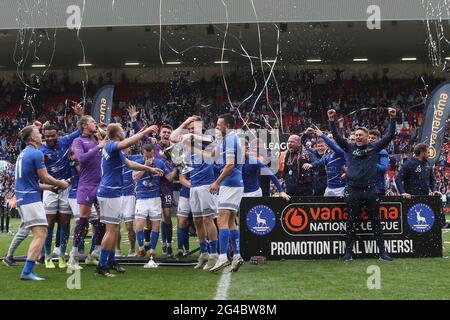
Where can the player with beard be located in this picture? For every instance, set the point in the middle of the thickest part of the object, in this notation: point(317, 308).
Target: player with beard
point(56, 157)
point(30, 168)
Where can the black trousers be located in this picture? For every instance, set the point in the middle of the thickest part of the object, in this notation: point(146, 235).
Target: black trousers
point(358, 198)
point(4, 215)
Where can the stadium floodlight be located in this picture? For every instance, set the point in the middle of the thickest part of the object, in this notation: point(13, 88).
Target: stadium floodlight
point(173, 62)
point(314, 60)
point(85, 64)
point(38, 65)
point(132, 63)
point(269, 61)
point(221, 61)
point(360, 59)
point(409, 59)
point(447, 58)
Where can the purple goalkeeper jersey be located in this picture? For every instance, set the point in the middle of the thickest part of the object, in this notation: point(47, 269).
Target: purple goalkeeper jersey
point(165, 185)
point(89, 157)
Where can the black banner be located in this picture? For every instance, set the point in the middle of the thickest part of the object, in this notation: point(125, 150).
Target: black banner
point(103, 104)
point(434, 120)
point(314, 228)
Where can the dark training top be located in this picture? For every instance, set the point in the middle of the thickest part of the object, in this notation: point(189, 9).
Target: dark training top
point(416, 177)
point(363, 160)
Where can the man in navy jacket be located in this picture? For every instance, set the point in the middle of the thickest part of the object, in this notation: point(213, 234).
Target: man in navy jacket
point(362, 159)
point(416, 176)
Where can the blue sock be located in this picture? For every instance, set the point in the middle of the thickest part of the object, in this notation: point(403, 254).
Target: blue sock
point(64, 238)
point(112, 257)
point(234, 237)
point(186, 239)
point(153, 239)
point(180, 237)
point(140, 238)
point(28, 267)
point(213, 246)
point(163, 232)
point(224, 238)
point(48, 242)
point(203, 246)
point(104, 255)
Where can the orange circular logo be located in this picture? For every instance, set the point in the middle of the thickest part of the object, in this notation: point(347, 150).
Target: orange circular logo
point(295, 220)
point(432, 152)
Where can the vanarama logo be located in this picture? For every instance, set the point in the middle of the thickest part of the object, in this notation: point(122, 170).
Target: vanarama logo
point(306, 219)
point(437, 123)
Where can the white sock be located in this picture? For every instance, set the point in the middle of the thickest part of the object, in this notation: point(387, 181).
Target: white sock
point(223, 256)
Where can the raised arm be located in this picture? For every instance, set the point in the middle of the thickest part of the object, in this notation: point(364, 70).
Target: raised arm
point(70, 137)
point(330, 143)
point(384, 142)
point(128, 142)
point(339, 139)
point(132, 112)
point(79, 111)
point(178, 133)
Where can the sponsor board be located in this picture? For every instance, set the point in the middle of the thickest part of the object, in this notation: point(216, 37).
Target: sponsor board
point(314, 228)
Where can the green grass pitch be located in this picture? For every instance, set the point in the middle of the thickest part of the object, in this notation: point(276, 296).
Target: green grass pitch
point(322, 279)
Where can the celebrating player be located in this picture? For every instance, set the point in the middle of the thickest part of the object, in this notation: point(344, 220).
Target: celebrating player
point(30, 168)
point(87, 152)
point(110, 191)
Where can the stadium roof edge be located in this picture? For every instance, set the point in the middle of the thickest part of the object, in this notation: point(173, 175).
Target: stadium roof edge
point(66, 13)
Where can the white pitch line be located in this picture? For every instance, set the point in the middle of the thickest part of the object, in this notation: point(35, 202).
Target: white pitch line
point(224, 285)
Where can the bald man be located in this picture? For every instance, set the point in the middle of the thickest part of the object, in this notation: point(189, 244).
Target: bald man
point(299, 182)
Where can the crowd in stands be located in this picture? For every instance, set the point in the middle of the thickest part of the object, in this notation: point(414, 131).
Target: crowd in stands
point(300, 100)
